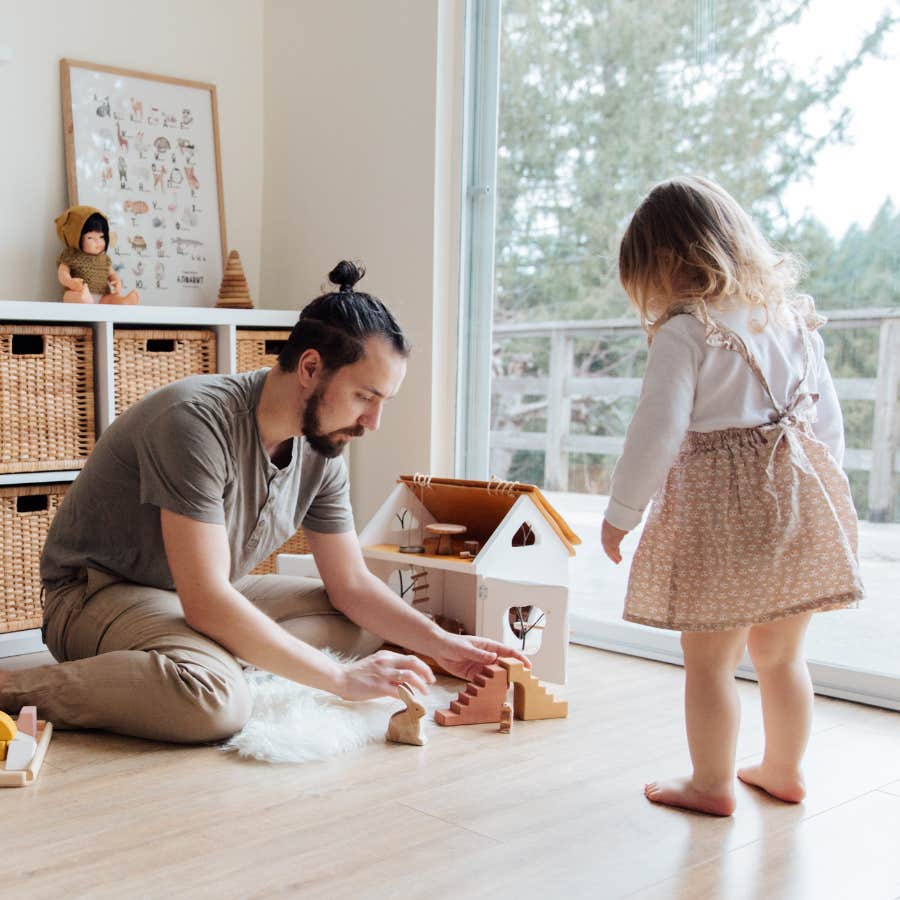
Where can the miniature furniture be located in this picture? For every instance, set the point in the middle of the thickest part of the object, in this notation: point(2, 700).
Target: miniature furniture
point(445, 532)
point(506, 718)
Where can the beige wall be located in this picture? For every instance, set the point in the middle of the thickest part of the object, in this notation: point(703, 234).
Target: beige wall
point(339, 126)
point(360, 148)
point(217, 41)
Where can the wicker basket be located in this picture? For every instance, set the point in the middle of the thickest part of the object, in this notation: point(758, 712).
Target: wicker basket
point(256, 349)
point(46, 397)
point(295, 544)
point(146, 360)
point(25, 515)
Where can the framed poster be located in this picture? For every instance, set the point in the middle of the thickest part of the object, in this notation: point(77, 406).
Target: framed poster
point(144, 150)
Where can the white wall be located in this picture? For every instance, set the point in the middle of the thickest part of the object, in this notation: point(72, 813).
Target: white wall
point(217, 41)
point(339, 127)
point(361, 124)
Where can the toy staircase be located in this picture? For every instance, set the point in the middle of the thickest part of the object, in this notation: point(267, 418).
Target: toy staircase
point(480, 702)
point(531, 700)
point(420, 587)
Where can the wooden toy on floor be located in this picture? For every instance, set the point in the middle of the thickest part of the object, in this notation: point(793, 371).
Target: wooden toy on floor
point(479, 701)
point(8, 727)
point(27, 720)
point(506, 717)
point(531, 700)
point(483, 698)
point(20, 751)
point(405, 725)
point(25, 751)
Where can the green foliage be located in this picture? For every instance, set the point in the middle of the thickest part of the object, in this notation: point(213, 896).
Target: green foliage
point(599, 101)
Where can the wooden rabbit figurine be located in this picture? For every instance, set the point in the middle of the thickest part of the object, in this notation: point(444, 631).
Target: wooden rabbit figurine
point(405, 726)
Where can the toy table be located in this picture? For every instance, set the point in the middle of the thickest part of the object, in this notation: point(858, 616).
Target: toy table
point(24, 777)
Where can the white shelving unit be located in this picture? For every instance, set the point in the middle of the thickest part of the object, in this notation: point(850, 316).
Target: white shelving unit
point(104, 319)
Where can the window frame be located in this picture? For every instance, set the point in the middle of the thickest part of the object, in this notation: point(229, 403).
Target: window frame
point(481, 107)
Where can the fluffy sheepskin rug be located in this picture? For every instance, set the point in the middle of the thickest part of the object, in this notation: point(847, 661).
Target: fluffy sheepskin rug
point(293, 723)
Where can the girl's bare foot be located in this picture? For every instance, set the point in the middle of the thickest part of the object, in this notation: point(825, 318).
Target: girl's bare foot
point(787, 786)
point(681, 792)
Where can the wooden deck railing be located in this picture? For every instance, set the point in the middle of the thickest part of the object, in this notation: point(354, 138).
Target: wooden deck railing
point(561, 385)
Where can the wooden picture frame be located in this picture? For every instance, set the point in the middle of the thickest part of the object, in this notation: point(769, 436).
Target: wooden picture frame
point(144, 150)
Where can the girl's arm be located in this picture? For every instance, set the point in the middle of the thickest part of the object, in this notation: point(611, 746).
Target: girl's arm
point(660, 422)
point(829, 424)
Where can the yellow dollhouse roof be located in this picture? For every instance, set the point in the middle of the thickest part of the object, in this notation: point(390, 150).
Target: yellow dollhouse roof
point(482, 505)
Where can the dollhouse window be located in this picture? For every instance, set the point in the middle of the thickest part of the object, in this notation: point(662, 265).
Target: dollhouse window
point(525, 536)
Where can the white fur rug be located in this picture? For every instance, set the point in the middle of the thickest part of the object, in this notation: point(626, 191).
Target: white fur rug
point(293, 723)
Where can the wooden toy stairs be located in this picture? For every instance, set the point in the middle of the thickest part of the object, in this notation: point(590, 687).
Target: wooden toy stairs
point(531, 700)
point(480, 702)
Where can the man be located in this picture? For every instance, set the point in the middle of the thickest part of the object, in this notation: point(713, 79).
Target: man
point(149, 608)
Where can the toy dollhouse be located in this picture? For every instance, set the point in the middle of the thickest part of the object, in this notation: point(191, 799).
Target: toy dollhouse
point(502, 574)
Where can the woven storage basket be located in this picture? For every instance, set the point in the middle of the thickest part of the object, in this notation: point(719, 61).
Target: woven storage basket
point(256, 349)
point(146, 360)
point(25, 515)
point(296, 544)
point(46, 397)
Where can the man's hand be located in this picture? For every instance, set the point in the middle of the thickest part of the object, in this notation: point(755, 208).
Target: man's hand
point(378, 676)
point(611, 537)
point(465, 655)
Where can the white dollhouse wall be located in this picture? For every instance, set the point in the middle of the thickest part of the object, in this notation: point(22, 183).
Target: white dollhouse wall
point(384, 527)
point(496, 597)
point(546, 561)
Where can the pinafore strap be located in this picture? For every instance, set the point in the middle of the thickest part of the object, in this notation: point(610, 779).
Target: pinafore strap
point(785, 420)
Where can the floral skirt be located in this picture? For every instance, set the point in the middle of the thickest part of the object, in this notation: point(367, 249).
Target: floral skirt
point(751, 525)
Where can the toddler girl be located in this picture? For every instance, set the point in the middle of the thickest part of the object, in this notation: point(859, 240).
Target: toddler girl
point(738, 438)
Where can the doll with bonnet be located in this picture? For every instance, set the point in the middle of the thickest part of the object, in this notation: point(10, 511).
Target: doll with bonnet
point(84, 269)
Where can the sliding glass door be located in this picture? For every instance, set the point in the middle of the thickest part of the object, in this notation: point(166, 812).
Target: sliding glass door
point(575, 108)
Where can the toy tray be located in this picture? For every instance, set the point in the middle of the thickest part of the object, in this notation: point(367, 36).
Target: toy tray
point(24, 777)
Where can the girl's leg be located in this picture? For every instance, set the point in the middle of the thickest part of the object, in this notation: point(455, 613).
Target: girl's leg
point(712, 715)
point(787, 702)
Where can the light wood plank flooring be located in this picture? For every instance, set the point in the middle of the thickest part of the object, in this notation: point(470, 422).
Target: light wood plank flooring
point(553, 810)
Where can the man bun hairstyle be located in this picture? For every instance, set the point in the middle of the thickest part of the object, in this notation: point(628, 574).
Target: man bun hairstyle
point(337, 324)
point(345, 275)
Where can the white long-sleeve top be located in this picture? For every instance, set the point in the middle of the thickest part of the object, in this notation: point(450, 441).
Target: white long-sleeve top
point(692, 386)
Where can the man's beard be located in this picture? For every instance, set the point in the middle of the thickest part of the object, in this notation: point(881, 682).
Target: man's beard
point(327, 445)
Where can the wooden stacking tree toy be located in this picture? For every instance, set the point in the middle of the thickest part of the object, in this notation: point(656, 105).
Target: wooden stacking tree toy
point(483, 698)
point(234, 292)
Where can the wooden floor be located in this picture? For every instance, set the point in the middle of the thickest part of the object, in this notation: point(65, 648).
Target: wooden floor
point(553, 810)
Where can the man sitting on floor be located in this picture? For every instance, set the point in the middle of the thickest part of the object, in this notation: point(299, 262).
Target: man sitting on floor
point(149, 608)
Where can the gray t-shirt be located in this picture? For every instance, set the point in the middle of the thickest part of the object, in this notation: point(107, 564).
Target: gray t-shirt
point(191, 447)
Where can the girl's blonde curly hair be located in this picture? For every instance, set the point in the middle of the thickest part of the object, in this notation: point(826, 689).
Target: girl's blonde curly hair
point(690, 240)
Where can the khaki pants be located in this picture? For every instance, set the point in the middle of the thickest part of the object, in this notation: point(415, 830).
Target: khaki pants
point(129, 662)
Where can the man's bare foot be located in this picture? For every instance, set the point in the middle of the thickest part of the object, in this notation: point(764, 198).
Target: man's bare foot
point(681, 792)
point(787, 786)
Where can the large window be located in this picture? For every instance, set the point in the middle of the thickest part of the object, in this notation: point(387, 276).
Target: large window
point(576, 108)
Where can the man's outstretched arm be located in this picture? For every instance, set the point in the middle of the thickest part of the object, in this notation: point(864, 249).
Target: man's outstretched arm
point(366, 600)
point(200, 560)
